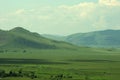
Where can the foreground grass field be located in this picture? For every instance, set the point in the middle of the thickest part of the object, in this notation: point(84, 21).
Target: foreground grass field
point(60, 64)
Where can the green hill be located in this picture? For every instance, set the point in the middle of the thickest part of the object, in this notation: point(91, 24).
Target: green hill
point(106, 38)
point(22, 38)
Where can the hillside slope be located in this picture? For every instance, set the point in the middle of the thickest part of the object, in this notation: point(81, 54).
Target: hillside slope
point(106, 38)
point(22, 38)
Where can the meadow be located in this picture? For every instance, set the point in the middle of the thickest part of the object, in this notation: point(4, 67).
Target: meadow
point(83, 63)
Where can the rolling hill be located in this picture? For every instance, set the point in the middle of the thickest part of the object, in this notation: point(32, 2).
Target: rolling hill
point(22, 38)
point(106, 38)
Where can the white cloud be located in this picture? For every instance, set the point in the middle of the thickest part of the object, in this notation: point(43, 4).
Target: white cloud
point(2, 19)
point(44, 17)
point(19, 12)
point(85, 16)
point(99, 15)
point(110, 2)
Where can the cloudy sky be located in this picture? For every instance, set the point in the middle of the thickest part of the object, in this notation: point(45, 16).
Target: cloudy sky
point(60, 17)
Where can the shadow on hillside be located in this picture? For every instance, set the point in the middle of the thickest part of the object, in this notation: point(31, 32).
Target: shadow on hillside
point(78, 60)
point(27, 61)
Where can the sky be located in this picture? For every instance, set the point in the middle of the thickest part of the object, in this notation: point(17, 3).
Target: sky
point(60, 17)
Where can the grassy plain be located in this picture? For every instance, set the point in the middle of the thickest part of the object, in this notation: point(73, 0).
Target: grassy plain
point(61, 64)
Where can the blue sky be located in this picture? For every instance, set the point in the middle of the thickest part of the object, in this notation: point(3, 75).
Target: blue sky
point(62, 17)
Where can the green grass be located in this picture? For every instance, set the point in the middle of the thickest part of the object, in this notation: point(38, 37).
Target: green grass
point(81, 64)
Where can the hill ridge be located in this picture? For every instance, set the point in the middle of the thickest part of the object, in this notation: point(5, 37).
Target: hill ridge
point(103, 38)
point(21, 38)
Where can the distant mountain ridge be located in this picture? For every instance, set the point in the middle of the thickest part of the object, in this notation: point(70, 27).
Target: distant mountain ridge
point(21, 38)
point(105, 38)
point(54, 37)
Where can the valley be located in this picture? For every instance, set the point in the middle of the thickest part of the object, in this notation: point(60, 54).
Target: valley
point(25, 55)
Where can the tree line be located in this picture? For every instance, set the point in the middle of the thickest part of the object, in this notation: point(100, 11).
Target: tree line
point(18, 73)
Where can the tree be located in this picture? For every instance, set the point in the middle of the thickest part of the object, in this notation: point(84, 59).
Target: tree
point(33, 75)
point(2, 73)
point(24, 51)
point(20, 73)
